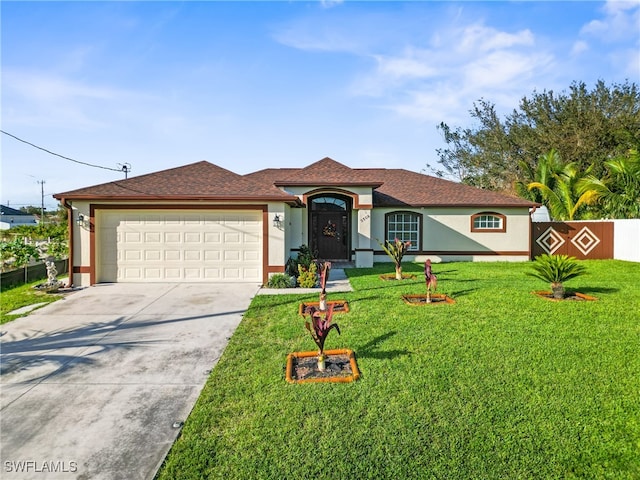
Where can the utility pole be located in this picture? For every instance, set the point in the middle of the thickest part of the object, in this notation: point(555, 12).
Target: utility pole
point(41, 182)
point(126, 168)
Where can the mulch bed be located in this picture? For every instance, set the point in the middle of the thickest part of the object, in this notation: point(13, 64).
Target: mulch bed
point(421, 299)
point(341, 367)
point(339, 306)
point(392, 276)
point(568, 296)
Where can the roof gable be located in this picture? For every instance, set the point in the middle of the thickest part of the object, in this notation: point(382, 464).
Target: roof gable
point(201, 180)
point(325, 172)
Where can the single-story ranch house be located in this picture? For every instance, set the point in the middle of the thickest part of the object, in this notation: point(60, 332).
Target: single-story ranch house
point(202, 223)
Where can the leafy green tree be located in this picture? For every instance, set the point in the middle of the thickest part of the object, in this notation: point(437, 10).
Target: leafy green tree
point(586, 127)
point(19, 251)
point(31, 210)
point(618, 193)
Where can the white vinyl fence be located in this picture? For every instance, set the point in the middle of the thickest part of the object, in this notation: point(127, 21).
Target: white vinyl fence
point(626, 240)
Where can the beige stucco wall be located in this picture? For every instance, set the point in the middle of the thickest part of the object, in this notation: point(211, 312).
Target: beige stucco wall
point(444, 230)
point(277, 239)
point(449, 230)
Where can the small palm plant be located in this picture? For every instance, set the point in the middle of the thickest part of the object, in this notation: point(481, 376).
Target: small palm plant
point(396, 251)
point(319, 327)
point(556, 269)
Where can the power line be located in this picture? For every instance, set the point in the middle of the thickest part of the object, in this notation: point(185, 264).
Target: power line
point(62, 156)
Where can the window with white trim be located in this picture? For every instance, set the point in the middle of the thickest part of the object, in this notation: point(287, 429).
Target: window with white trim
point(404, 226)
point(488, 222)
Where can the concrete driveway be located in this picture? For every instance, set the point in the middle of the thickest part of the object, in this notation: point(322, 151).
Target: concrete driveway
point(95, 386)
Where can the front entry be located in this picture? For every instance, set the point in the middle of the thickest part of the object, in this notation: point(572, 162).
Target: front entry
point(330, 220)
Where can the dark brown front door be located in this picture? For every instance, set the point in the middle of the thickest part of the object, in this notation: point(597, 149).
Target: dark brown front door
point(330, 218)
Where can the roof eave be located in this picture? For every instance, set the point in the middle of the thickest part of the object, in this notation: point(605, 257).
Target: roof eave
point(290, 199)
point(458, 205)
point(326, 184)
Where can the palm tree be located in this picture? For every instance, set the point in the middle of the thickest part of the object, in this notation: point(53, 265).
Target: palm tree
point(619, 192)
point(556, 269)
point(547, 169)
point(564, 197)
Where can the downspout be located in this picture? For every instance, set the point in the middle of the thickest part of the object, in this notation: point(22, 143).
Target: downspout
point(531, 212)
point(70, 232)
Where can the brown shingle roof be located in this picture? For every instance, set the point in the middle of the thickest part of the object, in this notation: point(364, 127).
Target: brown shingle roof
point(392, 187)
point(206, 181)
point(197, 181)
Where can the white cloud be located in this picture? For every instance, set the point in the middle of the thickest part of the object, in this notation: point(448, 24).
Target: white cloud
point(579, 47)
point(39, 98)
point(460, 65)
point(412, 64)
point(617, 29)
point(330, 3)
point(51, 88)
point(621, 21)
point(479, 38)
point(503, 68)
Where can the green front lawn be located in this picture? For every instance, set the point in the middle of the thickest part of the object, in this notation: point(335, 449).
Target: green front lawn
point(501, 385)
point(13, 298)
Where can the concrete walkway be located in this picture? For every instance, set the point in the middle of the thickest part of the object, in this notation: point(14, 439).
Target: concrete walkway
point(95, 386)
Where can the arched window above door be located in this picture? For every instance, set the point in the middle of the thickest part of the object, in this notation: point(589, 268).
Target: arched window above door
point(328, 204)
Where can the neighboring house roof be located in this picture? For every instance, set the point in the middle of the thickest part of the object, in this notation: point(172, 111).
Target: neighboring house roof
point(206, 181)
point(197, 181)
point(4, 210)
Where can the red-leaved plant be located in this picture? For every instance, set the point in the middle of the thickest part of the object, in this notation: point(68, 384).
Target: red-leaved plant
point(430, 279)
point(319, 326)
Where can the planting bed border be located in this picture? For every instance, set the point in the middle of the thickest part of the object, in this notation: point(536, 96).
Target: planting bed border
point(355, 373)
point(392, 276)
point(442, 299)
point(548, 295)
point(344, 303)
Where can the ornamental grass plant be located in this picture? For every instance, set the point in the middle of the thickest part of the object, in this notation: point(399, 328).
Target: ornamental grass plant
point(502, 384)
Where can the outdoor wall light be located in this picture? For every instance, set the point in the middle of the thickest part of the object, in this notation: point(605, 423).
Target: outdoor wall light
point(277, 221)
point(82, 220)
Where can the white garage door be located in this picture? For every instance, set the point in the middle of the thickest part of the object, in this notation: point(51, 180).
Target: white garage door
point(179, 246)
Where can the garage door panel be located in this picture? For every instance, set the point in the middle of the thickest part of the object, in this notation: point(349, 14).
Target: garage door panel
point(232, 237)
point(133, 255)
point(173, 274)
point(192, 237)
point(152, 237)
point(172, 237)
point(251, 238)
point(172, 255)
point(152, 255)
point(179, 246)
point(211, 273)
point(212, 255)
point(192, 255)
point(250, 256)
point(212, 238)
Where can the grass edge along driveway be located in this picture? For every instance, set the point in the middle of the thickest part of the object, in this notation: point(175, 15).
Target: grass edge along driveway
point(502, 384)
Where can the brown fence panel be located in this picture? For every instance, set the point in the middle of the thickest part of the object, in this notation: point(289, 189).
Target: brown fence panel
point(583, 240)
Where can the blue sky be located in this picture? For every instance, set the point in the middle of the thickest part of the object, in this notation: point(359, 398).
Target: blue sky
point(251, 85)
